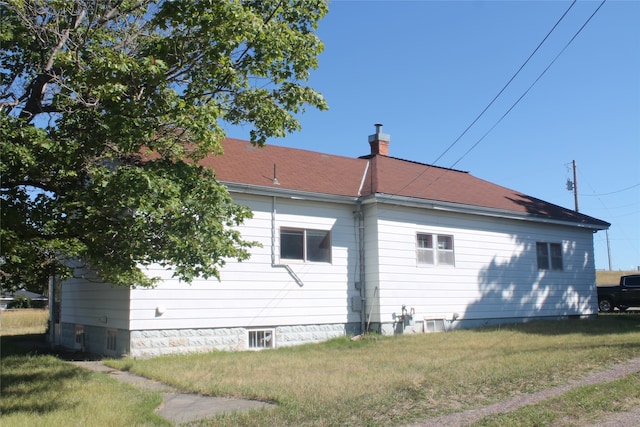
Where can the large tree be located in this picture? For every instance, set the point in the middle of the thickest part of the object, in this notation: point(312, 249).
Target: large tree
point(106, 106)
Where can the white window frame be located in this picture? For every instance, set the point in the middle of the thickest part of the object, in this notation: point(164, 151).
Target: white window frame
point(260, 339)
point(435, 254)
point(546, 259)
point(306, 234)
point(433, 324)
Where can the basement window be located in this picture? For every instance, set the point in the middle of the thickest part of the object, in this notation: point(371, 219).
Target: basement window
point(261, 338)
point(549, 256)
point(433, 325)
point(434, 249)
point(111, 340)
point(305, 245)
point(79, 337)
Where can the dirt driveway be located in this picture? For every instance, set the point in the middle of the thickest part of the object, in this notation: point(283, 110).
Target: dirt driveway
point(621, 419)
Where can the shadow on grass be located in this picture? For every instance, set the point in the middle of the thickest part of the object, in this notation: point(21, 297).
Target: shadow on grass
point(25, 377)
point(37, 344)
point(12, 345)
point(30, 371)
point(39, 387)
point(604, 324)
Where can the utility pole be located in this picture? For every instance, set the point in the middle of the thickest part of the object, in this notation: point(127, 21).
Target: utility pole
point(608, 248)
point(575, 185)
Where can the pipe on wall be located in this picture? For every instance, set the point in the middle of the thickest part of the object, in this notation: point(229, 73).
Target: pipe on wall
point(361, 273)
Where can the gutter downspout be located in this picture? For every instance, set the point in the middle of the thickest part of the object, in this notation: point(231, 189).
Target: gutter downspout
point(361, 274)
point(273, 247)
point(273, 231)
point(52, 310)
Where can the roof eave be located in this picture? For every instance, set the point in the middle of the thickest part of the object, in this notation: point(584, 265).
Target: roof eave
point(478, 210)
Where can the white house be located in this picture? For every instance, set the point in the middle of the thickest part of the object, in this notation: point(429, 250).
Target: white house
point(350, 245)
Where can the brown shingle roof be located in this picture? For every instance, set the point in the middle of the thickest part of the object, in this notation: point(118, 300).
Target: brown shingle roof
point(411, 179)
point(295, 169)
point(309, 171)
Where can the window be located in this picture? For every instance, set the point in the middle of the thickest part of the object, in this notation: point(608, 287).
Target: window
point(633, 281)
point(261, 339)
point(305, 245)
point(425, 249)
point(433, 249)
point(433, 325)
point(79, 337)
point(110, 345)
point(549, 256)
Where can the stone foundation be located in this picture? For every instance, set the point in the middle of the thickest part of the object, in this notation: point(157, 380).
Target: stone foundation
point(151, 343)
point(445, 325)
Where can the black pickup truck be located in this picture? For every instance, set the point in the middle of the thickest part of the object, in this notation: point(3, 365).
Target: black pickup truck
point(623, 296)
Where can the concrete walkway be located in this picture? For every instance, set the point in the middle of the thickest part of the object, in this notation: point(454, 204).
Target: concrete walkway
point(177, 407)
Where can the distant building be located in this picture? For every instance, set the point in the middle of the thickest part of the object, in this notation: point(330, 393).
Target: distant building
point(8, 298)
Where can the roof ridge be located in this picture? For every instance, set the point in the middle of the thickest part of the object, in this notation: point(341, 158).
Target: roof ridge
point(282, 147)
point(369, 156)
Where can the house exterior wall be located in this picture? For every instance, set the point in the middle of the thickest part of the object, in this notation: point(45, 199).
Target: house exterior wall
point(96, 307)
point(495, 278)
point(312, 304)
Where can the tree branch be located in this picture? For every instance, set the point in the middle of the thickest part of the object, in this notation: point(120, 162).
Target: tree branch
point(35, 91)
point(7, 185)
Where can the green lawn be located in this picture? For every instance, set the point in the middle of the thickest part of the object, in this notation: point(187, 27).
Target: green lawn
point(44, 391)
point(402, 379)
point(376, 381)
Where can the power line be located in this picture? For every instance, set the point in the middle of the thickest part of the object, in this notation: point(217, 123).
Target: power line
point(492, 102)
point(612, 192)
point(531, 86)
point(506, 85)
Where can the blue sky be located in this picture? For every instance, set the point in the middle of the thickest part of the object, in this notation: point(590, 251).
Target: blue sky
point(427, 69)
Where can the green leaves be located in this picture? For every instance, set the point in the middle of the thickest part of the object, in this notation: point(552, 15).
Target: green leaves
point(89, 88)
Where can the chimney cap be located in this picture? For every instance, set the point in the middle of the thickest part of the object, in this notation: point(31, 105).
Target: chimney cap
point(379, 141)
point(379, 136)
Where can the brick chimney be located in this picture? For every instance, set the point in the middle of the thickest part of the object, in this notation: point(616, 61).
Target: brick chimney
point(379, 141)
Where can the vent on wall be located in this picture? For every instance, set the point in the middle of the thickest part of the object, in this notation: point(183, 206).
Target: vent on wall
point(433, 325)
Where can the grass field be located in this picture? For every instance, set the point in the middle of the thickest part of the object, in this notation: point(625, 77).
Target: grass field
point(23, 321)
point(42, 390)
point(604, 277)
point(588, 405)
point(383, 381)
point(376, 381)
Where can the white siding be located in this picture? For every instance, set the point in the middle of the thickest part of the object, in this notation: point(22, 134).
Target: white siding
point(96, 304)
point(495, 276)
point(495, 273)
point(256, 293)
